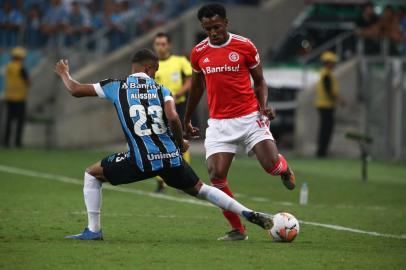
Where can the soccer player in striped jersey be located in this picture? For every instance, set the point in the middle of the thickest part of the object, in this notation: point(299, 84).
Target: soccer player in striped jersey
point(153, 130)
point(225, 62)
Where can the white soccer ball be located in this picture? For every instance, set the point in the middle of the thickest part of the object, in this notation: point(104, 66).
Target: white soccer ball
point(285, 227)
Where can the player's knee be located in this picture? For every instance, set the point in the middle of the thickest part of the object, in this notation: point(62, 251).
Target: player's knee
point(216, 172)
point(96, 171)
point(193, 191)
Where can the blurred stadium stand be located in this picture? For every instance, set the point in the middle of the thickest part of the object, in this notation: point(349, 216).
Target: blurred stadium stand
point(290, 36)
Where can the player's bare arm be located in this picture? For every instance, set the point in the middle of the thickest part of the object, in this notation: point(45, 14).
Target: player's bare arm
point(75, 88)
point(175, 125)
point(196, 92)
point(261, 92)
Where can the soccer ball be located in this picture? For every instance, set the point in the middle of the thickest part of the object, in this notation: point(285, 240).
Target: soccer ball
point(285, 227)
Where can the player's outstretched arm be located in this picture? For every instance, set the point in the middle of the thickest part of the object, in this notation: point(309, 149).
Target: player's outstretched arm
point(175, 124)
point(195, 94)
point(75, 88)
point(261, 91)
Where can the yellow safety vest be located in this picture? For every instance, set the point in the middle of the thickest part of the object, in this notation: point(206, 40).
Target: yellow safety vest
point(16, 88)
point(171, 72)
point(323, 99)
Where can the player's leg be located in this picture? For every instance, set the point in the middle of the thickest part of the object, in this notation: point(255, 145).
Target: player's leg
point(185, 179)
point(224, 201)
point(92, 186)
point(221, 141)
point(274, 163)
point(260, 141)
point(117, 169)
point(218, 166)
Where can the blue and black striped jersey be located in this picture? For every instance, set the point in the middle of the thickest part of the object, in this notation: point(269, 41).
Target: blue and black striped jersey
point(139, 102)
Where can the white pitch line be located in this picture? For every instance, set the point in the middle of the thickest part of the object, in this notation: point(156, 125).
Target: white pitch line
point(69, 180)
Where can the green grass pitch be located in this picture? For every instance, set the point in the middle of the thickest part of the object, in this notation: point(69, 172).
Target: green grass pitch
point(142, 232)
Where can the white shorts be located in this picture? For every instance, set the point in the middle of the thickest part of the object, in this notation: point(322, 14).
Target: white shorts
point(224, 135)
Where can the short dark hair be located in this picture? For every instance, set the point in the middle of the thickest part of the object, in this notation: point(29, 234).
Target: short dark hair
point(211, 10)
point(165, 35)
point(144, 55)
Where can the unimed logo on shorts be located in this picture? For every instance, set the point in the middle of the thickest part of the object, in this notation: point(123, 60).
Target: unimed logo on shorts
point(157, 156)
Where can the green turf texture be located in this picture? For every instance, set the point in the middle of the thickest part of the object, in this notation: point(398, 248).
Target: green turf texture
point(148, 233)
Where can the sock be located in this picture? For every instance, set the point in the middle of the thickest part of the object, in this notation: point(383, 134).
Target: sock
point(280, 166)
point(93, 199)
point(222, 200)
point(232, 218)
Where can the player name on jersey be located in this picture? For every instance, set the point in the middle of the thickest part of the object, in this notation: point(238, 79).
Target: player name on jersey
point(158, 156)
point(144, 95)
point(209, 70)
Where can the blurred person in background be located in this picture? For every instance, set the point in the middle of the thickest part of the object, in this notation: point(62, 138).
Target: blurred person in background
point(113, 19)
point(77, 23)
point(401, 14)
point(155, 16)
point(368, 17)
point(54, 23)
point(11, 21)
point(175, 74)
point(96, 20)
point(32, 32)
point(387, 27)
point(327, 97)
point(16, 90)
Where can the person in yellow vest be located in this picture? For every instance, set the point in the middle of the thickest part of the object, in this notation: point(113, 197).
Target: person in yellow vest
point(327, 97)
point(17, 83)
point(175, 74)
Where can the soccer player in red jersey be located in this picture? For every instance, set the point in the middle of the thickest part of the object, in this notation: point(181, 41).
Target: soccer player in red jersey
point(239, 114)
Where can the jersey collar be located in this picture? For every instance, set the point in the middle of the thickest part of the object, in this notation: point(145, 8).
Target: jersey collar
point(230, 37)
point(141, 74)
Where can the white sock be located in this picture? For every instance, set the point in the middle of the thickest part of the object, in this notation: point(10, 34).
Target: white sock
point(93, 199)
point(221, 199)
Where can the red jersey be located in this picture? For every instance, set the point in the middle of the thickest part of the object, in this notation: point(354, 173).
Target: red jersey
point(226, 70)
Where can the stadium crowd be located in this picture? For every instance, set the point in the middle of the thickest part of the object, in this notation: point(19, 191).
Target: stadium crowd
point(37, 23)
point(391, 25)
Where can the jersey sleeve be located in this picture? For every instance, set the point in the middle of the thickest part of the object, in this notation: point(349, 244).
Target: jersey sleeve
point(252, 56)
point(194, 60)
point(166, 93)
point(186, 67)
point(107, 89)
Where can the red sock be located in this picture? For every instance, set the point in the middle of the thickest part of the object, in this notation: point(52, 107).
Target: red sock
point(280, 166)
point(232, 218)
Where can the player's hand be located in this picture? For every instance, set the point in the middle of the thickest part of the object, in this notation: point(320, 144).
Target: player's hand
point(191, 131)
point(269, 113)
point(62, 67)
point(185, 146)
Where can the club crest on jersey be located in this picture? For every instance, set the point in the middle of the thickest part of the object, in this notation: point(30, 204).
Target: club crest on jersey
point(233, 56)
